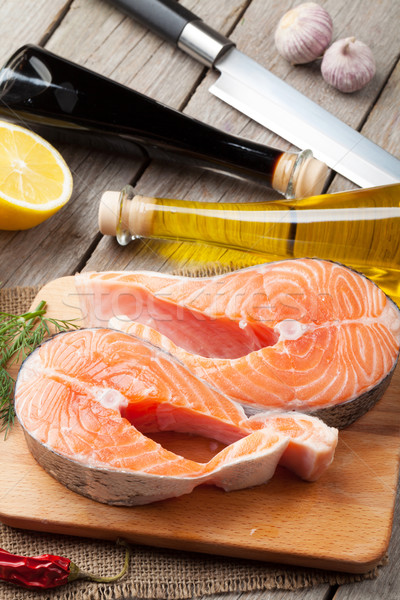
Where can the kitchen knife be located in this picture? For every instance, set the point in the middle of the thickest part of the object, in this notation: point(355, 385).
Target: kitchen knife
point(256, 92)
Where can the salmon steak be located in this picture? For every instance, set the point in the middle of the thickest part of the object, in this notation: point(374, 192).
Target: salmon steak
point(88, 399)
point(306, 334)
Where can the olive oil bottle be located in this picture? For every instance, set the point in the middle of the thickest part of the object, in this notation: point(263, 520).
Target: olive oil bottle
point(359, 228)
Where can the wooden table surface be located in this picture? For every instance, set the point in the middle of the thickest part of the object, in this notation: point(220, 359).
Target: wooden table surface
point(96, 35)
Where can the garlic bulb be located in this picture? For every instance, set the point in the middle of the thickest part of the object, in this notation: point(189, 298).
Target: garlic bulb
point(303, 33)
point(348, 65)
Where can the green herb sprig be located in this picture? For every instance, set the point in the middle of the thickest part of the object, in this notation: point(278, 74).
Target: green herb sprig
point(19, 336)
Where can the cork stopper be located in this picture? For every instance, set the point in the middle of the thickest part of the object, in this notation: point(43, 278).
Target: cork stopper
point(109, 213)
point(125, 215)
point(310, 178)
point(299, 175)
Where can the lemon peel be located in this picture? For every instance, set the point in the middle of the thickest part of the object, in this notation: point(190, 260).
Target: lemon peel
point(35, 181)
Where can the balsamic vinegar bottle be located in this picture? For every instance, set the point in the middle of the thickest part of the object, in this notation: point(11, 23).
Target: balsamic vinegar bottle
point(55, 95)
point(359, 228)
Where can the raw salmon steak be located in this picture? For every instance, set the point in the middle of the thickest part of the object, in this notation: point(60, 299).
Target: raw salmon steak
point(304, 334)
point(86, 400)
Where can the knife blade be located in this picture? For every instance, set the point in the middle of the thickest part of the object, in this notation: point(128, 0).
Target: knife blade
point(258, 93)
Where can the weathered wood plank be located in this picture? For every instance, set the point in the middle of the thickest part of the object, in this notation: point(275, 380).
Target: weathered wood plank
point(382, 125)
point(110, 25)
point(59, 245)
point(254, 36)
point(103, 46)
point(26, 21)
point(97, 43)
point(56, 254)
point(118, 47)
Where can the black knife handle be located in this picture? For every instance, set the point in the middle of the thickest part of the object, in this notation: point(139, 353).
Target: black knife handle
point(176, 24)
point(167, 18)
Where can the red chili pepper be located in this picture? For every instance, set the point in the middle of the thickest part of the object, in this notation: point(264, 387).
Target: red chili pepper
point(47, 570)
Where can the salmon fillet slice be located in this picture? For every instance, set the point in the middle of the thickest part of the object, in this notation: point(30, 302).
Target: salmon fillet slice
point(309, 451)
point(305, 334)
point(87, 398)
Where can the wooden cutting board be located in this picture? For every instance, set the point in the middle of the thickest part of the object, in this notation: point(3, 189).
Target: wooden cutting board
point(341, 522)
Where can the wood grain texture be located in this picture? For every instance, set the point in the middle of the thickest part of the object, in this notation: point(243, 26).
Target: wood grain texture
point(388, 584)
point(341, 522)
point(118, 47)
point(96, 35)
point(254, 36)
point(24, 21)
point(71, 233)
point(383, 122)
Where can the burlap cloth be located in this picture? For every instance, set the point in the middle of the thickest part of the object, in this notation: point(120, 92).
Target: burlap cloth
point(153, 572)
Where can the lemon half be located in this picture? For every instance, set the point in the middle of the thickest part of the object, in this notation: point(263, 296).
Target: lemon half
point(35, 181)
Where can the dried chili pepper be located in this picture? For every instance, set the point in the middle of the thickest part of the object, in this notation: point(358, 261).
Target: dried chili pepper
point(47, 570)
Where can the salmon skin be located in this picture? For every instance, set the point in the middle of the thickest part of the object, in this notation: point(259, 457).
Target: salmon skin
point(305, 334)
point(87, 398)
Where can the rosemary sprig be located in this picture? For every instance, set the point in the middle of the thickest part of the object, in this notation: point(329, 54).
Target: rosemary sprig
point(19, 336)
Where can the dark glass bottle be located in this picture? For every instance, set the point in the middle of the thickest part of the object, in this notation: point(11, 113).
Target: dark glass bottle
point(55, 95)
